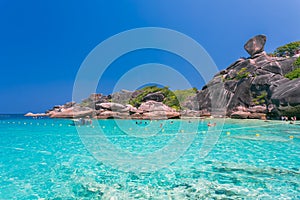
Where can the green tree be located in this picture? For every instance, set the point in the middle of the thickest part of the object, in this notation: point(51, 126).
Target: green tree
point(293, 74)
point(289, 49)
point(297, 62)
point(296, 72)
point(170, 98)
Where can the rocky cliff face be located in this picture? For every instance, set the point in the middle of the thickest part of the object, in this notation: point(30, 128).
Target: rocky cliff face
point(253, 87)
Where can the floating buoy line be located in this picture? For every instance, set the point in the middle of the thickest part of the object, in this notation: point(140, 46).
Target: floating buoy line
point(162, 130)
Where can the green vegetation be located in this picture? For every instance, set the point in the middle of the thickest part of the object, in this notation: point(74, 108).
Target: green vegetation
point(293, 74)
point(182, 95)
point(296, 72)
point(288, 49)
point(242, 74)
point(170, 98)
point(84, 104)
point(260, 99)
point(297, 62)
point(142, 93)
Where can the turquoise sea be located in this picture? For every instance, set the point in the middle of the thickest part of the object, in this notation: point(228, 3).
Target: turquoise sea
point(164, 159)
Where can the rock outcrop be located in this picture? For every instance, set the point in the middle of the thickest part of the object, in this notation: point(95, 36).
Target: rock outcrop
point(256, 83)
point(250, 88)
point(30, 114)
point(147, 110)
point(71, 112)
point(255, 45)
point(157, 96)
point(157, 110)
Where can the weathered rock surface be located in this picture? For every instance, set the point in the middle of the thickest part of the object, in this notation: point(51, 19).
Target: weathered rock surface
point(156, 110)
point(257, 84)
point(287, 93)
point(30, 114)
point(256, 44)
point(151, 106)
point(113, 106)
point(240, 115)
point(73, 112)
point(122, 97)
point(157, 96)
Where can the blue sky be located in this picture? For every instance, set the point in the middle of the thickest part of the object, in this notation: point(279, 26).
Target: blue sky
point(43, 43)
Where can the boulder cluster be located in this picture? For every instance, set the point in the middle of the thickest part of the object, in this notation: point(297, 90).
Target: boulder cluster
point(106, 107)
point(250, 88)
point(253, 87)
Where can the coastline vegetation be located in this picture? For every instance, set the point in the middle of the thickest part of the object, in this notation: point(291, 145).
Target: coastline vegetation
point(293, 74)
point(242, 74)
point(260, 99)
point(296, 72)
point(289, 49)
point(170, 98)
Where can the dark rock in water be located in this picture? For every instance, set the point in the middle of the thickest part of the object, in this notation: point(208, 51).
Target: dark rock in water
point(157, 96)
point(255, 45)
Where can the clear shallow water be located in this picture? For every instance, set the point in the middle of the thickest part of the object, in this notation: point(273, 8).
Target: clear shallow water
point(45, 158)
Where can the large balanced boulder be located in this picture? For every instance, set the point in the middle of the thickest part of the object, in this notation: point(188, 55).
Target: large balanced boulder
point(255, 45)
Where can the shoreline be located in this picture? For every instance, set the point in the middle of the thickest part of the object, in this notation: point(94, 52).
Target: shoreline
point(44, 115)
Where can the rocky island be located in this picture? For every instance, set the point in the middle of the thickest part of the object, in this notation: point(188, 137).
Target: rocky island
point(258, 87)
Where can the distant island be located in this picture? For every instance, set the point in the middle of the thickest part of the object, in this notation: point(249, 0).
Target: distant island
point(258, 87)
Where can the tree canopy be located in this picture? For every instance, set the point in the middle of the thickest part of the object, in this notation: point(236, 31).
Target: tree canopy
point(288, 49)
